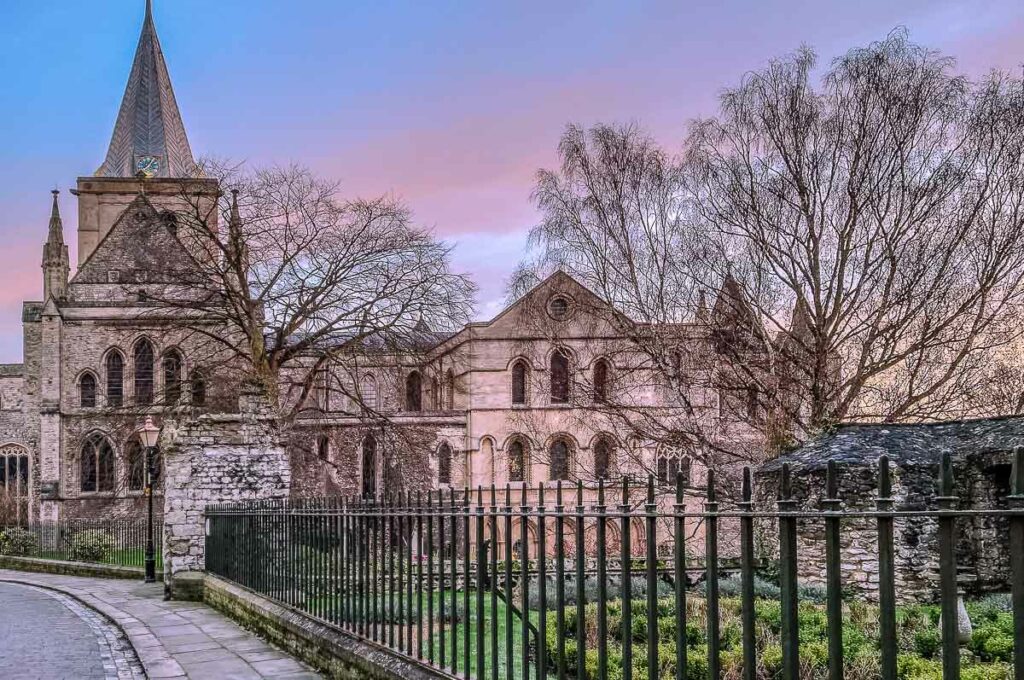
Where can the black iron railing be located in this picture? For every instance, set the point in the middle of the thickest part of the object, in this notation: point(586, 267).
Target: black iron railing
point(566, 585)
point(118, 542)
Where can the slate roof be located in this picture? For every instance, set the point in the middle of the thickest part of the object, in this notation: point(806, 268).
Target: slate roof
point(906, 445)
point(149, 122)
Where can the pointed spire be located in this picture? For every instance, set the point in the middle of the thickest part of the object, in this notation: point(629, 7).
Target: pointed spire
point(236, 217)
point(55, 256)
point(56, 232)
point(149, 136)
point(703, 315)
point(236, 247)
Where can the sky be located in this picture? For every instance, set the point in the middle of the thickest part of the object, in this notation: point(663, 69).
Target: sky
point(451, 106)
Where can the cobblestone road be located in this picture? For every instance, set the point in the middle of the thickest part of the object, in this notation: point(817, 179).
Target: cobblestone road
point(47, 635)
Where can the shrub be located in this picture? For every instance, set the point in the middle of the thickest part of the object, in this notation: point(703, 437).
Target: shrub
point(91, 546)
point(812, 593)
point(989, 607)
point(17, 542)
point(913, 667)
point(986, 672)
point(927, 642)
point(731, 586)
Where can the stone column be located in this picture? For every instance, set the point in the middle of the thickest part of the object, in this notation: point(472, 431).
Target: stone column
point(211, 459)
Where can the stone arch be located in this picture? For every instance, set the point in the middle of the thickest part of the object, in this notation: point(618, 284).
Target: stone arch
point(517, 458)
point(368, 391)
point(113, 369)
point(143, 370)
point(88, 388)
point(520, 382)
point(560, 375)
point(562, 450)
point(612, 538)
point(445, 458)
point(368, 466)
point(449, 390)
point(134, 461)
point(487, 450)
point(601, 379)
point(518, 549)
point(15, 481)
point(172, 368)
point(604, 448)
point(97, 464)
point(197, 387)
point(414, 391)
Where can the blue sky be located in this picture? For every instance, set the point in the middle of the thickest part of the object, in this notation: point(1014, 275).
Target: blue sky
point(452, 106)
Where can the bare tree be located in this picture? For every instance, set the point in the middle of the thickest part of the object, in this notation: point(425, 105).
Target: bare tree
point(862, 240)
point(287, 281)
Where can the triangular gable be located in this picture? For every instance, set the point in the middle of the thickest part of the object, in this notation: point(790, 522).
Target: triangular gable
point(136, 249)
point(521, 318)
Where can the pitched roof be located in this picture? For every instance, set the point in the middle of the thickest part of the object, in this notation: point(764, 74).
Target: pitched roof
point(149, 122)
point(910, 444)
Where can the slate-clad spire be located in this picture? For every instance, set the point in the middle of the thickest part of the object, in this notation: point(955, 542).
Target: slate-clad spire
point(149, 135)
point(55, 236)
point(56, 263)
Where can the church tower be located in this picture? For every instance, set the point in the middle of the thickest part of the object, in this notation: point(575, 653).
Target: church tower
point(56, 263)
point(149, 150)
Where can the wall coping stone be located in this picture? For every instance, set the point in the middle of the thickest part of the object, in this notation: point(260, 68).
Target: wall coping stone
point(41, 566)
point(334, 652)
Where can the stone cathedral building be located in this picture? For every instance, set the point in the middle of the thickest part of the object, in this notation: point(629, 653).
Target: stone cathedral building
point(498, 402)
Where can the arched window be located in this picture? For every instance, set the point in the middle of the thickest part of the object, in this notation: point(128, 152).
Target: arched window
point(414, 392)
point(115, 379)
point(323, 447)
point(669, 468)
point(368, 391)
point(516, 462)
point(14, 487)
point(602, 458)
point(97, 465)
point(369, 467)
point(601, 381)
point(198, 389)
point(519, 383)
point(560, 377)
point(172, 378)
point(449, 390)
point(135, 465)
point(444, 465)
point(559, 459)
point(87, 391)
point(435, 394)
point(143, 372)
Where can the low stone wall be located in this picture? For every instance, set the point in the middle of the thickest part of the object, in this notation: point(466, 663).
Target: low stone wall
point(72, 568)
point(330, 651)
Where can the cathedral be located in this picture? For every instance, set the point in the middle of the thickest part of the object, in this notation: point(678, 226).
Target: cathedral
point(547, 390)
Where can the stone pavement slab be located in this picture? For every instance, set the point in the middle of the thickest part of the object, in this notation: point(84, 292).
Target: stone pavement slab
point(173, 639)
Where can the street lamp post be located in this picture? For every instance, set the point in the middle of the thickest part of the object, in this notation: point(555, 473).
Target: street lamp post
point(149, 433)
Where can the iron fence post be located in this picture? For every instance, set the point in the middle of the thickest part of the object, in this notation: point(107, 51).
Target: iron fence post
point(788, 579)
point(886, 572)
point(947, 571)
point(1017, 561)
point(747, 576)
point(833, 575)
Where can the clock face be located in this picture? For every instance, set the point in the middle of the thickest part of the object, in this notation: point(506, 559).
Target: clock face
point(147, 165)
